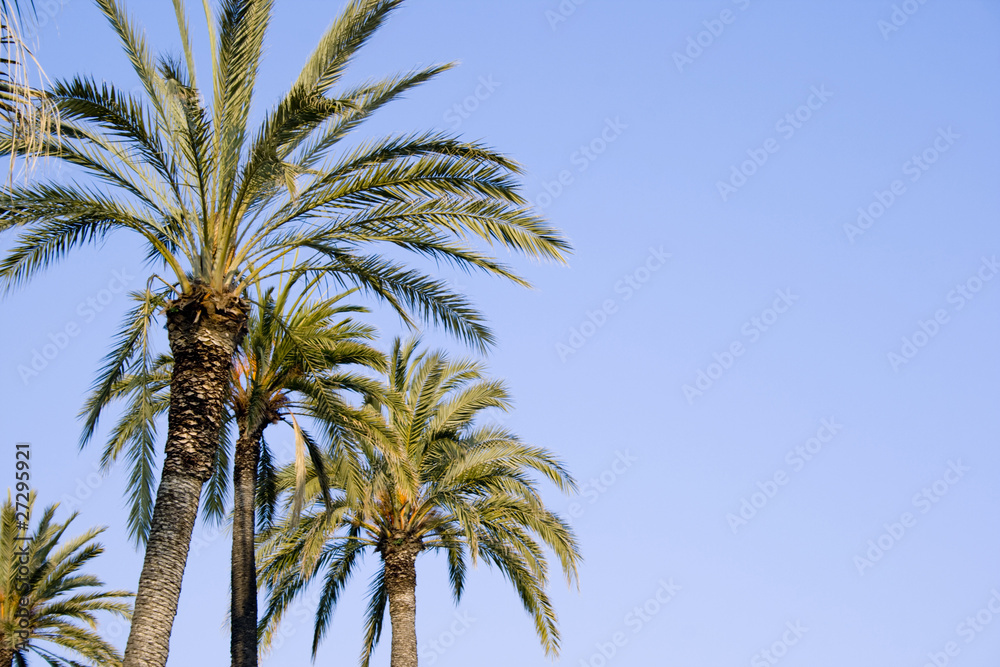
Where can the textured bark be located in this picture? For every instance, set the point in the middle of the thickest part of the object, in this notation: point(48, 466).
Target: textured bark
point(401, 585)
point(6, 653)
point(243, 641)
point(204, 332)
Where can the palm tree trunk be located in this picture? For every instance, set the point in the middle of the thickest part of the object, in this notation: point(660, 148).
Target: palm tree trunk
point(6, 653)
point(203, 336)
point(401, 585)
point(243, 609)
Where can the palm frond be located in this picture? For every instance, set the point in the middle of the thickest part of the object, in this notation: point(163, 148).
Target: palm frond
point(449, 485)
point(46, 570)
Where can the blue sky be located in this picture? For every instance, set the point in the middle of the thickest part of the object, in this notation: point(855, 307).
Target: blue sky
point(772, 358)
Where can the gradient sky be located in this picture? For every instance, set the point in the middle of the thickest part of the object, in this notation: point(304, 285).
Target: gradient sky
point(708, 161)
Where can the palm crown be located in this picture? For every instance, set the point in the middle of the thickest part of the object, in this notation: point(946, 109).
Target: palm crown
point(462, 488)
point(221, 208)
point(299, 358)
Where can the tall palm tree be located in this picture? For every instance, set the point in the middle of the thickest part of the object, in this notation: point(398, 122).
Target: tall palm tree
point(41, 582)
point(295, 361)
point(219, 207)
point(462, 488)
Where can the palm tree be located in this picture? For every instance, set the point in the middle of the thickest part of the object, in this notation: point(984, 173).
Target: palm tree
point(221, 207)
point(291, 362)
point(462, 488)
point(43, 596)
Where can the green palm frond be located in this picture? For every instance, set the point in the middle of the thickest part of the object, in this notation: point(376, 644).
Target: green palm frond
point(133, 375)
point(215, 495)
point(63, 602)
point(466, 489)
point(378, 600)
point(222, 204)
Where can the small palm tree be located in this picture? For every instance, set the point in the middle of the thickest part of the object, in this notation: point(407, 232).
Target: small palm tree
point(219, 205)
point(40, 583)
point(295, 361)
point(462, 488)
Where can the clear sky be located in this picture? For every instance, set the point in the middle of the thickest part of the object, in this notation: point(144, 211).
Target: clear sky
point(772, 359)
